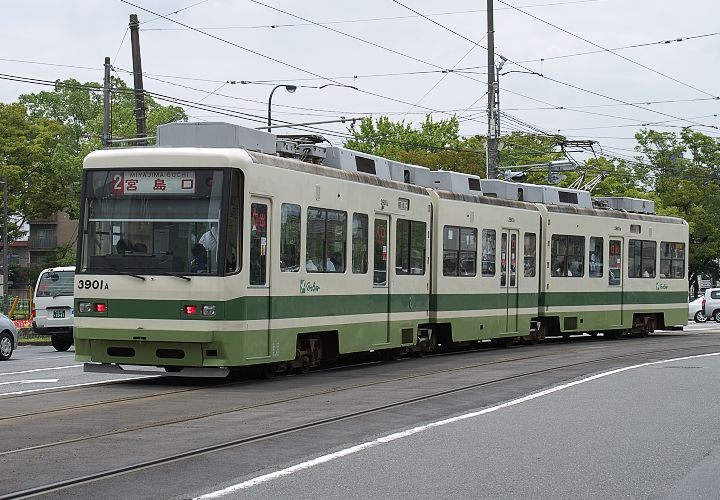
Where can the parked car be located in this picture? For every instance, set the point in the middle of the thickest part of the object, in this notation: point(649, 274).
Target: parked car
point(53, 306)
point(712, 304)
point(696, 310)
point(8, 337)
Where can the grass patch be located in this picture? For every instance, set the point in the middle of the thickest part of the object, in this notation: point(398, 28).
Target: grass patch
point(28, 337)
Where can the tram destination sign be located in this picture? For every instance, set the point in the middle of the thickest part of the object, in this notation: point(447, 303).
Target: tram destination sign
point(152, 182)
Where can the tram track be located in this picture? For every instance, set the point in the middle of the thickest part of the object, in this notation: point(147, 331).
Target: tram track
point(284, 400)
point(233, 443)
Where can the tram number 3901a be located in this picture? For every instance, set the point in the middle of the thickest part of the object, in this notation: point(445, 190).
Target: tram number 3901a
point(92, 285)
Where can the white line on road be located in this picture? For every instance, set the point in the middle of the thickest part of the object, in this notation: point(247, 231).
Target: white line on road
point(99, 382)
point(399, 435)
point(42, 370)
point(32, 381)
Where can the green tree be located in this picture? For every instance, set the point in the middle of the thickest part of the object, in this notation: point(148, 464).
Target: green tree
point(37, 184)
point(438, 145)
point(683, 171)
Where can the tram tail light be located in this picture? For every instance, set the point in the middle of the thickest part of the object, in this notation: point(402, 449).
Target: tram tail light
point(100, 307)
point(85, 307)
point(191, 310)
point(208, 310)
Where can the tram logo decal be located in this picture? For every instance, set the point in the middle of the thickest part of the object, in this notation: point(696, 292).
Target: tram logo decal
point(661, 286)
point(306, 286)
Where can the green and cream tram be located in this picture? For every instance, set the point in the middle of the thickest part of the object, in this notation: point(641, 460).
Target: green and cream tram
point(225, 247)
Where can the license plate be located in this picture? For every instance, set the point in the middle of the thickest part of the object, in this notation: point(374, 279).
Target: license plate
point(58, 314)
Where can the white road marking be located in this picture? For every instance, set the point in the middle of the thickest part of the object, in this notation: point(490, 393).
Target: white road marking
point(42, 370)
point(32, 381)
point(99, 382)
point(399, 435)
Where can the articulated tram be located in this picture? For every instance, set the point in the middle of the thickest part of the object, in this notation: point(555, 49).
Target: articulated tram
point(224, 247)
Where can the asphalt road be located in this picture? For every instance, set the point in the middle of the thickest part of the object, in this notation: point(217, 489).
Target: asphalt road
point(34, 369)
point(640, 433)
point(649, 432)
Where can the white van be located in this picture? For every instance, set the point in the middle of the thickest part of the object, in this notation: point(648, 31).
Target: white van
point(53, 306)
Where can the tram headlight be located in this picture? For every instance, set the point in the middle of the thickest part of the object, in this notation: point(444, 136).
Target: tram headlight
point(85, 307)
point(208, 310)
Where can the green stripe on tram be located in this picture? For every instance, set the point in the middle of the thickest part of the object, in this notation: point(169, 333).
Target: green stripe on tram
point(308, 306)
point(610, 298)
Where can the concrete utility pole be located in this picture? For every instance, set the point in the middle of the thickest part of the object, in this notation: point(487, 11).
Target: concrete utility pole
point(137, 72)
point(492, 143)
point(5, 247)
point(106, 105)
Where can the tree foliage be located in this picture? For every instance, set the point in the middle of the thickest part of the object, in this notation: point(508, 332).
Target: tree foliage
point(439, 146)
point(683, 172)
point(45, 136)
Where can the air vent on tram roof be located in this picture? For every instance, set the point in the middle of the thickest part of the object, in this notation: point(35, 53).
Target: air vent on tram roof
point(215, 135)
point(455, 182)
point(354, 161)
point(635, 205)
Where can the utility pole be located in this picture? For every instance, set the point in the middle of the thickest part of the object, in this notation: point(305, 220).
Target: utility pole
point(6, 273)
point(106, 105)
point(137, 72)
point(492, 143)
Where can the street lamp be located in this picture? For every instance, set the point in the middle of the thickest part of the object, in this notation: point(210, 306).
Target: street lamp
point(289, 88)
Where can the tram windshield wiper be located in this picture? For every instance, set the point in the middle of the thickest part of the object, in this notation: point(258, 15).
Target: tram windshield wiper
point(120, 271)
point(165, 273)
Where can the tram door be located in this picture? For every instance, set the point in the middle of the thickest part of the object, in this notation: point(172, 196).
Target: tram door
point(509, 276)
point(615, 280)
point(258, 343)
point(381, 269)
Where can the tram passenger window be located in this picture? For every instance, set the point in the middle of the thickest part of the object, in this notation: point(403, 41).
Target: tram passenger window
point(641, 258)
point(232, 263)
point(672, 260)
point(567, 255)
point(410, 247)
point(530, 254)
point(615, 264)
point(488, 252)
point(325, 242)
point(595, 257)
point(360, 244)
point(459, 251)
point(290, 238)
point(258, 244)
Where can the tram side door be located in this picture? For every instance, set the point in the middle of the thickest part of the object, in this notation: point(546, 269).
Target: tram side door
point(381, 267)
point(615, 280)
point(258, 343)
point(509, 276)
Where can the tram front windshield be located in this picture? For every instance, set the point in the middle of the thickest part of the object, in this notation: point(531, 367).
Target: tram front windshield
point(152, 221)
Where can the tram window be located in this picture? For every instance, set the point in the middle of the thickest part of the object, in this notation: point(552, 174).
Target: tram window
point(290, 238)
point(595, 257)
point(488, 252)
point(672, 260)
point(380, 251)
point(232, 263)
point(530, 254)
point(567, 255)
point(641, 258)
point(258, 244)
point(360, 244)
point(615, 264)
point(325, 242)
point(410, 247)
point(459, 251)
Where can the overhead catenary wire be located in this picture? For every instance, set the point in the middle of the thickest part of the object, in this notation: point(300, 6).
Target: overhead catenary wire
point(605, 49)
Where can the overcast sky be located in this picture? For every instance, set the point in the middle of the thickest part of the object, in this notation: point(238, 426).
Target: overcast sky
point(71, 38)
